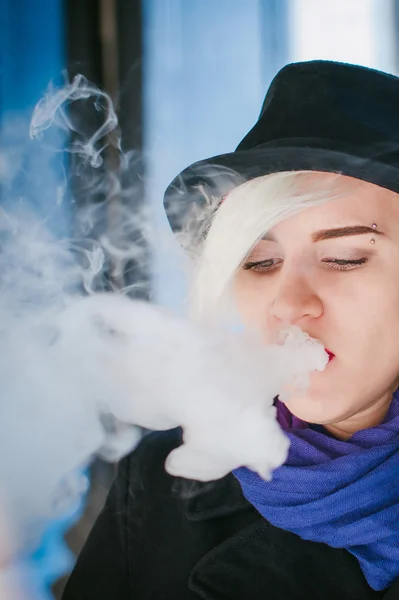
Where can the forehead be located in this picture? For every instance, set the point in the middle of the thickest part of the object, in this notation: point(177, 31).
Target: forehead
point(356, 202)
point(363, 201)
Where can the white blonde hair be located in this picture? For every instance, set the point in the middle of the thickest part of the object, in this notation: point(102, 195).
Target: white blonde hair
point(249, 211)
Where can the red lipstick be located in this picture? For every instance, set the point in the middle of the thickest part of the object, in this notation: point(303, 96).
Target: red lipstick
point(330, 354)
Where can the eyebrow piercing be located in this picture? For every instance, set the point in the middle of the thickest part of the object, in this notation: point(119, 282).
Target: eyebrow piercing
point(374, 226)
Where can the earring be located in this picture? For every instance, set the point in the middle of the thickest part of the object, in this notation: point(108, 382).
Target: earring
point(374, 226)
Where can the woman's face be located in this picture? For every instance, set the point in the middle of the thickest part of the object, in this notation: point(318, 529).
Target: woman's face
point(293, 277)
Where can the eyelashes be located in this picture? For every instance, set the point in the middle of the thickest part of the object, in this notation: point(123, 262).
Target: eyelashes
point(339, 264)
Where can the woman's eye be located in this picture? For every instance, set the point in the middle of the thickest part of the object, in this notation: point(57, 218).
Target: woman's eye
point(345, 265)
point(340, 264)
point(260, 265)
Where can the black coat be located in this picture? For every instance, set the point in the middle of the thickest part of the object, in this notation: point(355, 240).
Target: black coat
point(165, 538)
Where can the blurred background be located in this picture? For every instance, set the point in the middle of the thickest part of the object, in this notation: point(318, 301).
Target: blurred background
point(187, 78)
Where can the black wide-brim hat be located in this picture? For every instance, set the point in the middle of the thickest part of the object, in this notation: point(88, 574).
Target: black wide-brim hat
point(317, 116)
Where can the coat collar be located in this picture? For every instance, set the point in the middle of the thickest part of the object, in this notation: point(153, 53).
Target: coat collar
point(261, 561)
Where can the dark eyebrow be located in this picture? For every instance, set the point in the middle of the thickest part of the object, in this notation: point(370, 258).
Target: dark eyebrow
point(327, 234)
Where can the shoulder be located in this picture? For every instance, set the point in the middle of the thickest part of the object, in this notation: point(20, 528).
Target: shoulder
point(144, 491)
point(144, 468)
point(143, 473)
point(155, 446)
point(120, 546)
point(152, 497)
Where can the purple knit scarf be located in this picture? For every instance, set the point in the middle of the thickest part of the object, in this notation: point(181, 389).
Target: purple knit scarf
point(342, 493)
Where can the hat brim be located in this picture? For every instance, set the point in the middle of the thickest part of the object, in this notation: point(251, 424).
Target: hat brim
point(219, 174)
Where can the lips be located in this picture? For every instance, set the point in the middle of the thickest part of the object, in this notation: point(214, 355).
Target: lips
point(330, 354)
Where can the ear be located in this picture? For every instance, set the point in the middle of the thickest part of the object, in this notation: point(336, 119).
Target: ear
point(190, 462)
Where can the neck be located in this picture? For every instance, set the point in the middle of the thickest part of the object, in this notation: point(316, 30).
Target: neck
point(370, 417)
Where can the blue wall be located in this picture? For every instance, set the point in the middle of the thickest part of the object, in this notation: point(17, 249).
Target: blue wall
point(32, 50)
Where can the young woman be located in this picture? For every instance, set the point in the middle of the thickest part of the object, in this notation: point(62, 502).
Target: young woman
point(304, 231)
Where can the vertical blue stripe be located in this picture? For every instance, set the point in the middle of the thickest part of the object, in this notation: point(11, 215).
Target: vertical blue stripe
point(32, 54)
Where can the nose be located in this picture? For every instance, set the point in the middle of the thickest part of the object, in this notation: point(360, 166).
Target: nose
point(294, 298)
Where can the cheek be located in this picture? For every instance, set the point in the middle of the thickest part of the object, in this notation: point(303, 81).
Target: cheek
point(374, 318)
point(249, 299)
point(365, 336)
point(377, 320)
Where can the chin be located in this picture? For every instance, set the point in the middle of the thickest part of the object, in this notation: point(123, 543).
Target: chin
point(312, 410)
